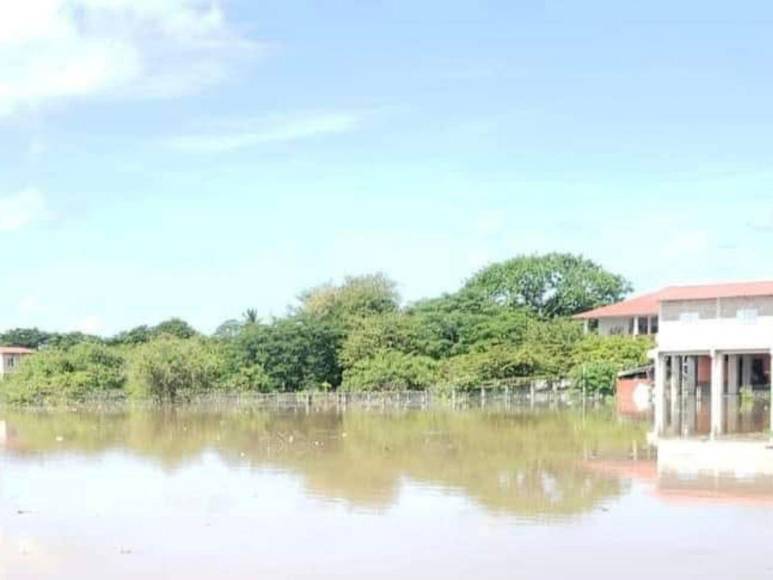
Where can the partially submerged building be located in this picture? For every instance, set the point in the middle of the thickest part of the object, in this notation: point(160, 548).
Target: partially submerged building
point(717, 337)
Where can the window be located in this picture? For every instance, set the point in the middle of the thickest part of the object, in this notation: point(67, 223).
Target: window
point(689, 317)
point(644, 325)
point(654, 325)
point(747, 314)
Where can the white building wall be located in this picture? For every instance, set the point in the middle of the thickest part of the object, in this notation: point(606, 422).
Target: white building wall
point(702, 327)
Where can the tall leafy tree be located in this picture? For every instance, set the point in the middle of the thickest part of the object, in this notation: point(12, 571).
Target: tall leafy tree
point(357, 297)
point(295, 352)
point(549, 285)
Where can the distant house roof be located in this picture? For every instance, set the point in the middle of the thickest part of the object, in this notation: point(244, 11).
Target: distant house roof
point(643, 305)
point(15, 350)
point(648, 304)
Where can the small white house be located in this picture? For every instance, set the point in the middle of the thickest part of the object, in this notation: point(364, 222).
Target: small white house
point(10, 358)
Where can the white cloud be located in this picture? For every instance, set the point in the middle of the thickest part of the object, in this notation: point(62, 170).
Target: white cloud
point(21, 209)
point(52, 49)
point(274, 129)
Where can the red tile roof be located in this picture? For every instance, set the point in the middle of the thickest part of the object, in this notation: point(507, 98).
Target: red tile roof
point(15, 350)
point(648, 304)
point(644, 305)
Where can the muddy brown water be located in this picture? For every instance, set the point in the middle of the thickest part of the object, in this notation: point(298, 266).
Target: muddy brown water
point(240, 491)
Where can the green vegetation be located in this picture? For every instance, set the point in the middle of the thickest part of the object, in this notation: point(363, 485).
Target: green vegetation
point(509, 323)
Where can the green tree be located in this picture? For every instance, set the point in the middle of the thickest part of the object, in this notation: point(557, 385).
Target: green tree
point(137, 335)
point(458, 323)
point(228, 329)
point(548, 345)
point(357, 297)
point(492, 366)
point(391, 370)
point(57, 375)
point(141, 334)
point(550, 285)
point(598, 359)
point(250, 316)
point(174, 327)
point(298, 352)
point(25, 337)
point(168, 367)
point(390, 331)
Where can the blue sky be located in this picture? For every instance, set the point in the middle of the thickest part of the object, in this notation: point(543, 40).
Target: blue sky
point(187, 158)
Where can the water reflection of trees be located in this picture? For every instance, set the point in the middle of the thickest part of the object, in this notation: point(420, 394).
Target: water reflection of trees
point(517, 463)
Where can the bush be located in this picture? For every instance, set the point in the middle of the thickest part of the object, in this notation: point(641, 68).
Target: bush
point(596, 377)
point(622, 351)
point(249, 378)
point(58, 375)
point(168, 368)
point(391, 370)
point(598, 359)
point(494, 365)
point(296, 353)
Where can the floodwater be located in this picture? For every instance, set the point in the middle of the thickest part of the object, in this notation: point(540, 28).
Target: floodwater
point(243, 491)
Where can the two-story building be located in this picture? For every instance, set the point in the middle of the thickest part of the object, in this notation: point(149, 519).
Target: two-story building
point(10, 358)
point(716, 337)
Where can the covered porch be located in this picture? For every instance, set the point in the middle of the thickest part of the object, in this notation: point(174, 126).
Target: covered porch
point(719, 376)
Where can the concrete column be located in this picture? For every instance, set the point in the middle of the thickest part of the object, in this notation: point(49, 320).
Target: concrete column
point(675, 378)
point(771, 393)
point(690, 422)
point(691, 375)
point(660, 391)
point(717, 391)
point(733, 407)
point(733, 374)
point(746, 371)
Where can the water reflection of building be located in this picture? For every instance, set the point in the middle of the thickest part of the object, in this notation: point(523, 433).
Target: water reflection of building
point(689, 463)
point(694, 464)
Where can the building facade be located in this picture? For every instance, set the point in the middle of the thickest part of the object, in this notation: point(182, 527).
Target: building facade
point(11, 357)
point(715, 339)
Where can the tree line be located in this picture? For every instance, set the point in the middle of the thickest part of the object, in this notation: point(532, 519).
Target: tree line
point(509, 322)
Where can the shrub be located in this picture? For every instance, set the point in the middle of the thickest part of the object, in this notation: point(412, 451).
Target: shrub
point(622, 351)
point(494, 365)
point(58, 375)
point(391, 370)
point(248, 378)
point(596, 377)
point(598, 359)
point(167, 368)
